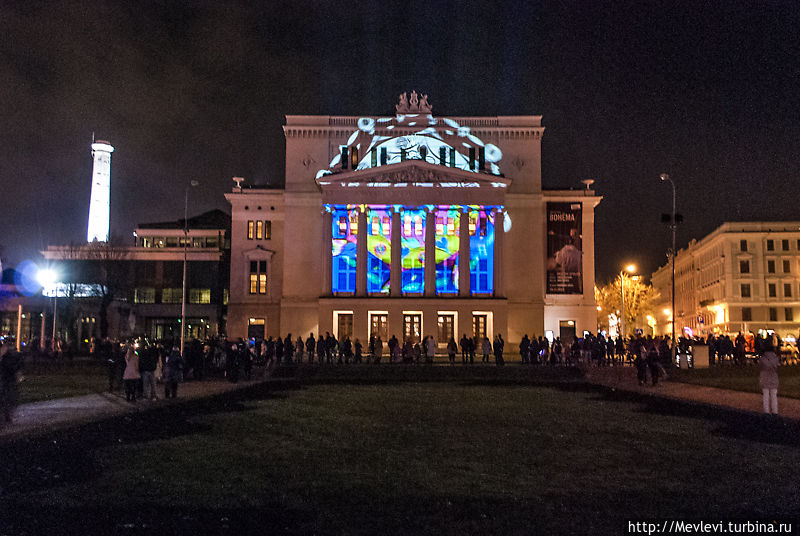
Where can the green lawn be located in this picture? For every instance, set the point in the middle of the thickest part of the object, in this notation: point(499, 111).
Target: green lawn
point(740, 378)
point(465, 457)
point(45, 380)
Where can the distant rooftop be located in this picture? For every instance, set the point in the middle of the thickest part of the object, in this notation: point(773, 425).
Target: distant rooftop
point(213, 219)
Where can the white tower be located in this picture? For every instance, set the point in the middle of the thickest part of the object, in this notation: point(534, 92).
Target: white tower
point(100, 205)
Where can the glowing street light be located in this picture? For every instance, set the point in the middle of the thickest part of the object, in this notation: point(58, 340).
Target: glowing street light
point(631, 268)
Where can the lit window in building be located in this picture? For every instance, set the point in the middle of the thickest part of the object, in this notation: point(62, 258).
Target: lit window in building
point(413, 251)
point(481, 247)
point(259, 230)
point(200, 295)
point(226, 296)
point(172, 241)
point(250, 229)
point(171, 295)
point(267, 230)
point(344, 247)
point(447, 246)
point(379, 251)
point(144, 295)
point(258, 277)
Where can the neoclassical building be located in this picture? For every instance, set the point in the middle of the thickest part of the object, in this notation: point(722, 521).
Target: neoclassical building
point(412, 225)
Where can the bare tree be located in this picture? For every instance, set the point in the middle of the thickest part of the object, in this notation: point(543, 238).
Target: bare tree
point(640, 298)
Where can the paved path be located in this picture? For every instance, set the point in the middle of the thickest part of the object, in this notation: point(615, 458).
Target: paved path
point(624, 379)
point(46, 415)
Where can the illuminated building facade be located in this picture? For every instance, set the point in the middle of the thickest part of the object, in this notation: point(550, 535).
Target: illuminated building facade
point(744, 276)
point(412, 225)
point(100, 204)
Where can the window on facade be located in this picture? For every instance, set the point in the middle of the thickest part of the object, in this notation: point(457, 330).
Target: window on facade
point(212, 242)
point(267, 230)
point(771, 266)
point(172, 241)
point(144, 295)
point(251, 233)
point(742, 245)
point(345, 325)
point(747, 314)
point(412, 327)
point(788, 313)
point(786, 267)
point(379, 326)
point(479, 326)
point(787, 290)
point(197, 243)
point(159, 242)
point(770, 245)
point(258, 277)
point(226, 296)
point(785, 245)
point(772, 290)
point(745, 290)
point(171, 295)
point(200, 295)
point(259, 230)
point(744, 267)
point(773, 314)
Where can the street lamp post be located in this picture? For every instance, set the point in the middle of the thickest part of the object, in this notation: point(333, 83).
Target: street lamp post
point(630, 269)
point(192, 184)
point(47, 278)
point(674, 226)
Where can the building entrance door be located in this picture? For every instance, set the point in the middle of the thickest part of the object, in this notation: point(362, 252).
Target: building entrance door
point(412, 327)
point(256, 328)
point(345, 325)
point(379, 326)
point(566, 330)
point(478, 327)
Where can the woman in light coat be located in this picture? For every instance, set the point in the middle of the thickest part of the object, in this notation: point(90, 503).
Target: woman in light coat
point(768, 378)
point(131, 375)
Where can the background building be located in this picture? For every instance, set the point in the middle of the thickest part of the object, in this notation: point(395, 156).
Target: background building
point(744, 276)
point(121, 291)
point(369, 233)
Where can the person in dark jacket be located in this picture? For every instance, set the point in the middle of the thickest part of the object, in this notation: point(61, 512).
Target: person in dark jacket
point(311, 345)
point(173, 369)
point(10, 363)
point(499, 343)
point(148, 358)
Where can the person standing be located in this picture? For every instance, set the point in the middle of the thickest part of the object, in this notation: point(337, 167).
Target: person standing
point(10, 363)
point(498, 350)
point(452, 348)
point(299, 349)
point(768, 377)
point(311, 345)
point(147, 368)
point(173, 370)
point(431, 349)
point(486, 350)
point(378, 349)
point(131, 375)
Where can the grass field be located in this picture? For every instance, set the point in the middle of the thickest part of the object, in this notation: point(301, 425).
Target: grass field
point(46, 379)
point(481, 454)
point(740, 378)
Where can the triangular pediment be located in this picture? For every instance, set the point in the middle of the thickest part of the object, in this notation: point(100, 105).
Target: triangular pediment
point(412, 173)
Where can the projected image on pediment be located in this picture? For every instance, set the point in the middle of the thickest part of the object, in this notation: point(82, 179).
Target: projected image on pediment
point(414, 134)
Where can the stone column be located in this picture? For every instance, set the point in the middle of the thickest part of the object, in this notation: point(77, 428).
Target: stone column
point(395, 273)
point(430, 252)
point(361, 253)
point(327, 253)
point(463, 253)
point(497, 283)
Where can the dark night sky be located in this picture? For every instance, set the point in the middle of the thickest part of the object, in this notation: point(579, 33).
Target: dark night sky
point(708, 92)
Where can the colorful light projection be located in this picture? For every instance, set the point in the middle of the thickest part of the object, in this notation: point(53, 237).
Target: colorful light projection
point(379, 249)
point(412, 236)
point(345, 232)
point(447, 243)
point(481, 249)
point(437, 140)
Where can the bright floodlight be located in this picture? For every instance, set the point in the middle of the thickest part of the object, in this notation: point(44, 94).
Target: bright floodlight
point(630, 268)
point(46, 277)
